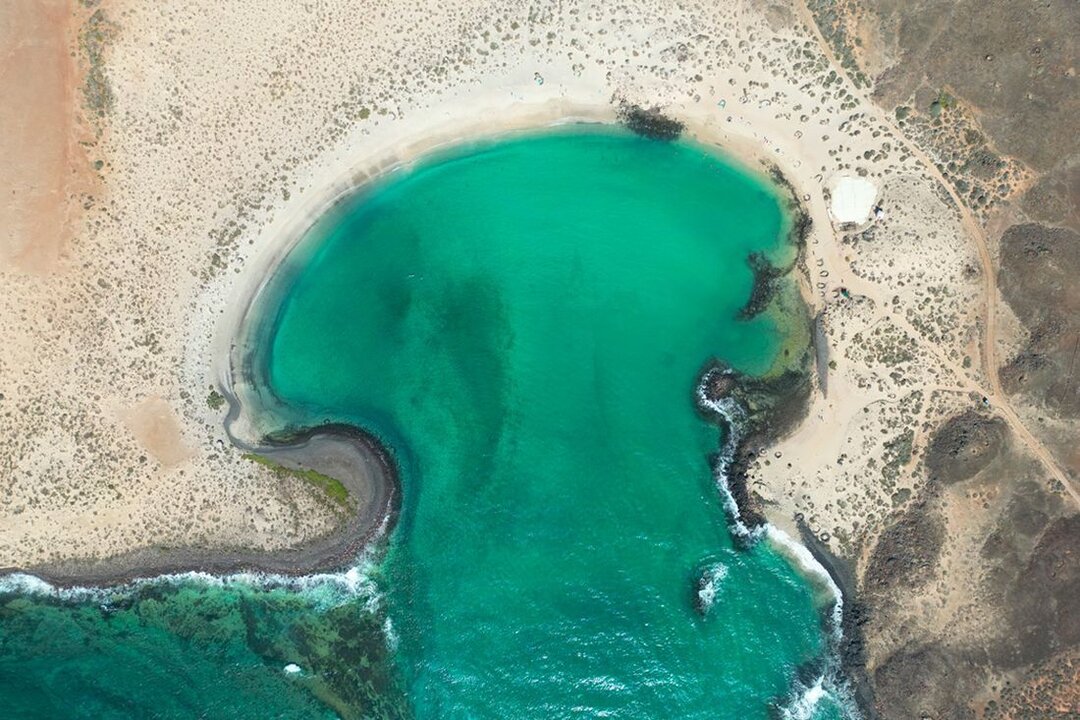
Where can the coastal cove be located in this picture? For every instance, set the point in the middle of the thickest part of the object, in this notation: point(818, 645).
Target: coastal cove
point(435, 262)
point(536, 526)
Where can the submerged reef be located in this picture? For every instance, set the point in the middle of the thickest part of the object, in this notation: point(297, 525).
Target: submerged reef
point(753, 412)
point(769, 406)
point(767, 276)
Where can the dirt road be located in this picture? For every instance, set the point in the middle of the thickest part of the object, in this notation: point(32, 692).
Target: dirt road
point(998, 400)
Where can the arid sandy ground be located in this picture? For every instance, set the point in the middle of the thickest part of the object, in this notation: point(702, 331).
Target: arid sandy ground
point(161, 152)
point(982, 535)
point(45, 168)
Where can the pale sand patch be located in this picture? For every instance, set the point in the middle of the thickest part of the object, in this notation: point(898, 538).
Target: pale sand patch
point(156, 427)
point(44, 168)
point(852, 199)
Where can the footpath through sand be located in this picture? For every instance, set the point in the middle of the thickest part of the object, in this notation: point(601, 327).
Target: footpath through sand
point(996, 397)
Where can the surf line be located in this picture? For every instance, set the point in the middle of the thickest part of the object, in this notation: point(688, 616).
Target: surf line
point(824, 679)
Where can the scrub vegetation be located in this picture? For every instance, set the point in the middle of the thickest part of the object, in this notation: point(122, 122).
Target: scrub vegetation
point(98, 32)
point(333, 488)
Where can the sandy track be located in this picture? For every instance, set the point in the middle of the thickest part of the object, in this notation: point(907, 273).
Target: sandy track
point(999, 401)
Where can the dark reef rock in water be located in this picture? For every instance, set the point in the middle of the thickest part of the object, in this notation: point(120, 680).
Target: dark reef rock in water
point(738, 480)
point(766, 277)
point(706, 587)
point(186, 648)
point(770, 407)
point(650, 123)
point(717, 384)
point(793, 704)
point(801, 222)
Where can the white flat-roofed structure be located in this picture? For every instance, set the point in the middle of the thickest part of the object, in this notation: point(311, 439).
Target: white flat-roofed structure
point(852, 199)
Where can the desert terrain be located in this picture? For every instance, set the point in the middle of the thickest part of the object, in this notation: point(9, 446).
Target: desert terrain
point(158, 154)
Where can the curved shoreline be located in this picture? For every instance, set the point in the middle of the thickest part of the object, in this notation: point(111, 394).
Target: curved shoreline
point(251, 400)
point(349, 455)
point(235, 330)
point(765, 410)
point(358, 459)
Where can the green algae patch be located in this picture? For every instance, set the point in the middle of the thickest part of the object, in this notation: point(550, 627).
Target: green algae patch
point(329, 486)
point(177, 648)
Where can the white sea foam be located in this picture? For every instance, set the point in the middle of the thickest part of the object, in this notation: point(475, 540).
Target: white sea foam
point(804, 705)
point(793, 551)
point(830, 684)
point(332, 589)
point(24, 584)
point(390, 632)
point(724, 406)
point(828, 690)
point(732, 413)
point(709, 585)
point(325, 589)
point(798, 555)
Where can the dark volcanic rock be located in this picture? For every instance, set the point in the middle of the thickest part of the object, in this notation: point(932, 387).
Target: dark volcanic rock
point(764, 288)
point(963, 446)
point(358, 460)
point(1044, 601)
point(1055, 198)
point(650, 123)
point(772, 407)
point(851, 647)
point(929, 681)
point(738, 480)
point(907, 552)
point(1039, 267)
point(1004, 63)
point(1022, 368)
point(717, 384)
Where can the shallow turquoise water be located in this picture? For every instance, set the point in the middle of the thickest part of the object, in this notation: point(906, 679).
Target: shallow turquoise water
point(192, 648)
point(522, 323)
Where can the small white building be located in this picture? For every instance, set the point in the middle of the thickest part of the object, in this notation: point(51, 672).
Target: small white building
point(852, 199)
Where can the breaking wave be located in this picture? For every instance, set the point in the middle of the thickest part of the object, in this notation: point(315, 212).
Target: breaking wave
point(709, 585)
point(828, 695)
point(732, 414)
point(324, 590)
point(830, 688)
point(805, 702)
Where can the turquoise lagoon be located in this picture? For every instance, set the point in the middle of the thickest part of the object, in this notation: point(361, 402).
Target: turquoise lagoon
point(523, 324)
